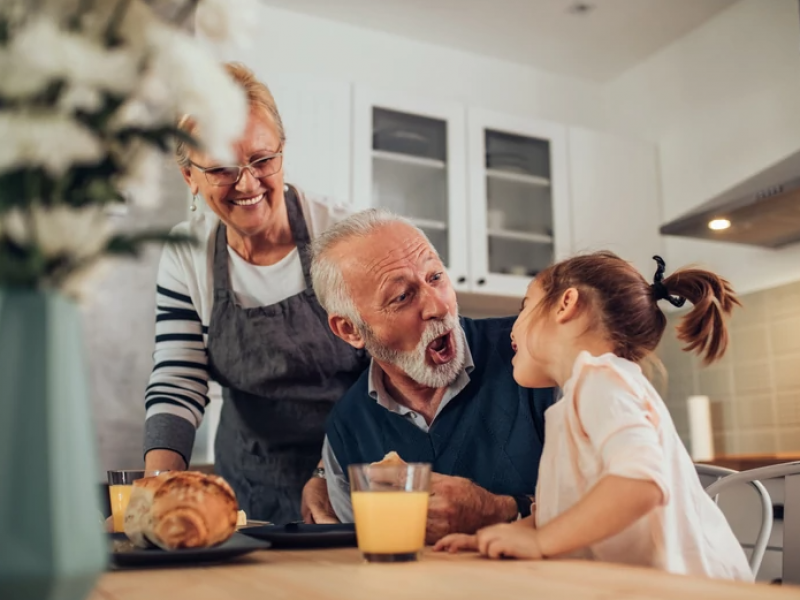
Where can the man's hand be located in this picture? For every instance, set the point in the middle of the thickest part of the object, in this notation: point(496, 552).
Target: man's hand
point(316, 506)
point(459, 506)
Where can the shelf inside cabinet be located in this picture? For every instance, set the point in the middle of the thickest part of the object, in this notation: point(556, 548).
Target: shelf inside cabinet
point(524, 178)
point(429, 224)
point(408, 159)
point(522, 236)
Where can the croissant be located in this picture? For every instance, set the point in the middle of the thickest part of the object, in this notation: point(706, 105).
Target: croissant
point(180, 509)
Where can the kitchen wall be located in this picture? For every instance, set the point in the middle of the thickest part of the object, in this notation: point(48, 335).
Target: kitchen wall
point(291, 43)
point(119, 325)
point(755, 389)
point(722, 105)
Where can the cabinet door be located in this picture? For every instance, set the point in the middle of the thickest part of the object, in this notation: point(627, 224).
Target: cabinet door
point(615, 197)
point(409, 157)
point(316, 116)
point(519, 200)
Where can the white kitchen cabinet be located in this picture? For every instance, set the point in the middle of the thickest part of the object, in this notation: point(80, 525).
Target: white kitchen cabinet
point(519, 200)
point(502, 197)
point(614, 187)
point(316, 117)
point(409, 156)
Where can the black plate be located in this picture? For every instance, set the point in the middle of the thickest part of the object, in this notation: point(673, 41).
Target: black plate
point(124, 554)
point(297, 535)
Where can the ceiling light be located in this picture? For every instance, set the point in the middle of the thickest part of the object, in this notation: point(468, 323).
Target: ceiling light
point(719, 224)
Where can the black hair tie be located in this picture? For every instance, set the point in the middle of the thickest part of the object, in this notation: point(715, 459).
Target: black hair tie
point(659, 289)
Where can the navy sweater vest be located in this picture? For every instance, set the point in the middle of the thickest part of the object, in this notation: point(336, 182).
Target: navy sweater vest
point(492, 432)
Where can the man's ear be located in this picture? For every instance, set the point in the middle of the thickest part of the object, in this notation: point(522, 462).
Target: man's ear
point(345, 329)
point(568, 306)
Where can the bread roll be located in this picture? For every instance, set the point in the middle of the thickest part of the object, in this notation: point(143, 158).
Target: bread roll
point(181, 509)
point(391, 459)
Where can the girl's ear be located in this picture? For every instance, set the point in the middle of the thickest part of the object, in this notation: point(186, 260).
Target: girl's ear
point(568, 306)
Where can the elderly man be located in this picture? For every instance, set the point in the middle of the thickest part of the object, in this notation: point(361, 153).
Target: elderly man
point(439, 389)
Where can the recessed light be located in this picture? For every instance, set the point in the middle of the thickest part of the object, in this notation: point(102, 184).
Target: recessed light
point(719, 224)
point(580, 8)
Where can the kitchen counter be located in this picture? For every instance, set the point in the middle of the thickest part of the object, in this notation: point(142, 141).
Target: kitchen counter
point(744, 462)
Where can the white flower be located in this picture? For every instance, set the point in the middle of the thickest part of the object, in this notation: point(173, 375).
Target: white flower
point(142, 182)
point(52, 141)
point(15, 226)
point(202, 88)
point(78, 233)
point(42, 52)
point(80, 283)
point(228, 20)
point(80, 97)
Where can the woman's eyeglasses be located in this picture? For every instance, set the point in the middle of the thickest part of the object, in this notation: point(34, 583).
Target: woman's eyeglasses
point(259, 168)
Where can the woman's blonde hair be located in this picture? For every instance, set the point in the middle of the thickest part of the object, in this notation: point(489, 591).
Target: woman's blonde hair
point(258, 96)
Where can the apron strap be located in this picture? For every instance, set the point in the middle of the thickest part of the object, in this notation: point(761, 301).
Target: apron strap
point(222, 280)
point(297, 223)
point(298, 227)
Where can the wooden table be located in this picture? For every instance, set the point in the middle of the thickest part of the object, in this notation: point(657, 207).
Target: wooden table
point(341, 575)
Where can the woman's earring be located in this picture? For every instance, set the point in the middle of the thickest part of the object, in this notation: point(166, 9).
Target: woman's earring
point(194, 202)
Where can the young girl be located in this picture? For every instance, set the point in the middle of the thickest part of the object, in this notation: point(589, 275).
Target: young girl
point(615, 482)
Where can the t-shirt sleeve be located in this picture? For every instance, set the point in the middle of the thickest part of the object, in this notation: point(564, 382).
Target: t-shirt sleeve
point(622, 427)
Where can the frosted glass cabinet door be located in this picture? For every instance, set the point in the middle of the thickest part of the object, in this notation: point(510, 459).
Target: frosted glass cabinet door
point(409, 157)
point(519, 200)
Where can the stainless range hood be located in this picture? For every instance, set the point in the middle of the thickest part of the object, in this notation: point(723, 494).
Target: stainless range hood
point(762, 211)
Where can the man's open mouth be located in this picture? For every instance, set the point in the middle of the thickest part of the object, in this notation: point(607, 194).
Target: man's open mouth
point(441, 350)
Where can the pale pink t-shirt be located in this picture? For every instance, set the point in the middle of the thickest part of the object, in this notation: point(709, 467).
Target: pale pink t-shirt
point(611, 421)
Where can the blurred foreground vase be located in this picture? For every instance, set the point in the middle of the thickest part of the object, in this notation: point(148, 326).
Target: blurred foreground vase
point(52, 544)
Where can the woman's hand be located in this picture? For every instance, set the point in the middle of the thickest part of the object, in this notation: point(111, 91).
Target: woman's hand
point(456, 541)
point(509, 540)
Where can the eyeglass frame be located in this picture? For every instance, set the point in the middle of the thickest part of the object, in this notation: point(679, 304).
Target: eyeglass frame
point(248, 166)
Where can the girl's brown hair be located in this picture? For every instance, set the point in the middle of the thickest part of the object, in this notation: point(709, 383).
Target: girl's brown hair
point(627, 305)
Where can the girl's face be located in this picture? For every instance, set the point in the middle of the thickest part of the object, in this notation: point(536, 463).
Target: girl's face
point(534, 339)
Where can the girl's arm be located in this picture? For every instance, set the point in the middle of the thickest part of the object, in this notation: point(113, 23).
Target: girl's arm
point(611, 506)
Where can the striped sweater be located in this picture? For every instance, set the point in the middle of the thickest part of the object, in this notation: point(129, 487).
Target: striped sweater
point(177, 394)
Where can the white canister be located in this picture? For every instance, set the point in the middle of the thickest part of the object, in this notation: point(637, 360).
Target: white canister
point(701, 431)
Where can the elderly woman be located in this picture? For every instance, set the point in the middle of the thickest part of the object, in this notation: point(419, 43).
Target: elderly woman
point(239, 308)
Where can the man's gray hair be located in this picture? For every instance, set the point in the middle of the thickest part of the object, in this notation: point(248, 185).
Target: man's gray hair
point(326, 274)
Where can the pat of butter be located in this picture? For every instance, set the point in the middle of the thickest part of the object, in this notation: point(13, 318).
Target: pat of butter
point(241, 518)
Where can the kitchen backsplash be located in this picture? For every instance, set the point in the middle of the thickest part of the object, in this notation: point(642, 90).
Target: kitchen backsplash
point(755, 388)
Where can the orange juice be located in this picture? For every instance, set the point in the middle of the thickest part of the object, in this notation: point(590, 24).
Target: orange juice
point(119, 495)
point(390, 522)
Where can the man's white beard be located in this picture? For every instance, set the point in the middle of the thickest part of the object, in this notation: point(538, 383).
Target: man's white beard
point(414, 362)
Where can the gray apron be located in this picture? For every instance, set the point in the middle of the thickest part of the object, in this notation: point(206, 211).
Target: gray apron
point(281, 369)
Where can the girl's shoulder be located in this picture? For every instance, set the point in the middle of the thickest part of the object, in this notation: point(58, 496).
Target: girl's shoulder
point(608, 374)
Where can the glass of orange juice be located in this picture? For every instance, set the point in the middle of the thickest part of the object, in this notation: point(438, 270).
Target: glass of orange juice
point(119, 491)
point(390, 508)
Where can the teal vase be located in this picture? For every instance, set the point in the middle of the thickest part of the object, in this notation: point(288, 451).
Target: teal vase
point(52, 544)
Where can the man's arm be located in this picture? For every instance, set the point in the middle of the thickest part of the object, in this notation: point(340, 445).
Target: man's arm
point(316, 500)
point(458, 505)
point(338, 486)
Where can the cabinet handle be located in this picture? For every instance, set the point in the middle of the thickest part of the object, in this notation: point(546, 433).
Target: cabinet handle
point(462, 279)
point(481, 281)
